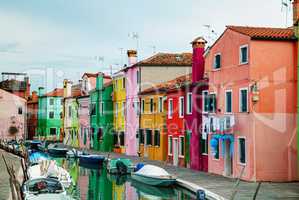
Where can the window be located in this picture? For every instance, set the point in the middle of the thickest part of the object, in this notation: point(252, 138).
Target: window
point(212, 103)
point(160, 105)
point(51, 114)
point(70, 111)
point(123, 108)
point(20, 110)
point(142, 106)
point(141, 136)
point(170, 108)
point(122, 138)
point(93, 109)
point(181, 106)
point(243, 100)
point(189, 103)
point(151, 105)
point(52, 131)
point(204, 146)
point(115, 84)
point(115, 138)
point(149, 137)
point(217, 61)
point(124, 83)
point(100, 134)
point(169, 145)
point(102, 108)
point(216, 155)
point(51, 101)
point(157, 138)
point(242, 151)
point(244, 54)
point(205, 96)
point(61, 101)
point(228, 101)
point(182, 146)
point(116, 109)
point(138, 77)
point(136, 107)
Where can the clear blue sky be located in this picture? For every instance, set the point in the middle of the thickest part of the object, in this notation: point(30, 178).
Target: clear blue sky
point(56, 39)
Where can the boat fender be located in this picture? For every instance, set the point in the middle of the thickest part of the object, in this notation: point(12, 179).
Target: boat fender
point(121, 167)
point(139, 166)
point(200, 195)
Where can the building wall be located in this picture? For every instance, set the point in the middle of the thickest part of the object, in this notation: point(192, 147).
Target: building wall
point(32, 109)
point(71, 122)
point(12, 123)
point(84, 128)
point(154, 121)
point(151, 75)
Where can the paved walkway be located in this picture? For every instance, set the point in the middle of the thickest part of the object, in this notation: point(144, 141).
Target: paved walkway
point(221, 185)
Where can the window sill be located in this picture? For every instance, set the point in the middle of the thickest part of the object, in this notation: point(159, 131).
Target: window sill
point(242, 164)
point(204, 154)
point(215, 159)
point(189, 113)
point(169, 154)
point(215, 70)
point(181, 156)
point(181, 117)
point(245, 63)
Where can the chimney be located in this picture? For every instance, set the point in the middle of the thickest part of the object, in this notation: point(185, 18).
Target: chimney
point(198, 61)
point(67, 88)
point(41, 91)
point(34, 95)
point(99, 81)
point(295, 12)
point(132, 57)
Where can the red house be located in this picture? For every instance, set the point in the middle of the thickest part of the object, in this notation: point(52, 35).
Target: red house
point(32, 108)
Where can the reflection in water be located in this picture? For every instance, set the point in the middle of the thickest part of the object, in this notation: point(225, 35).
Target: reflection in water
point(96, 184)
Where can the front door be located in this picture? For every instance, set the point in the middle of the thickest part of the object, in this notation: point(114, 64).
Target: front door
point(175, 152)
point(227, 159)
point(145, 146)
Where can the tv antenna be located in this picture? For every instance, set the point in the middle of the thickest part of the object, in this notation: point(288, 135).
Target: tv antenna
point(153, 47)
point(286, 8)
point(211, 33)
point(135, 36)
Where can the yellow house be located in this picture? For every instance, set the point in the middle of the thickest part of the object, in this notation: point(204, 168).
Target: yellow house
point(119, 101)
point(153, 131)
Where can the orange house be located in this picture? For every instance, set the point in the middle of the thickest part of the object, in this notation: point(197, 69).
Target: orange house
point(251, 104)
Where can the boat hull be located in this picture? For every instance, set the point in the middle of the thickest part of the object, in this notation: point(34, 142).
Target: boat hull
point(113, 169)
point(91, 160)
point(57, 152)
point(154, 181)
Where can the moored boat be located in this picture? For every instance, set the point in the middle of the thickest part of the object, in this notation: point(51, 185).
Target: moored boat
point(74, 153)
point(120, 166)
point(91, 160)
point(57, 149)
point(36, 157)
point(153, 175)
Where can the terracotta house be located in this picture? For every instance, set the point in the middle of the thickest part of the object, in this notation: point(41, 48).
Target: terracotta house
point(32, 110)
point(251, 112)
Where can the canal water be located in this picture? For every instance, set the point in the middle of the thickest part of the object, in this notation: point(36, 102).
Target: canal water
point(96, 184)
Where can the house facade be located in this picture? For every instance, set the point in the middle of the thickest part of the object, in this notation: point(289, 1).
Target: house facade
point(12, 116)
point(84, 128)
point(32, 110)
point(251, 117)
point(50, 108)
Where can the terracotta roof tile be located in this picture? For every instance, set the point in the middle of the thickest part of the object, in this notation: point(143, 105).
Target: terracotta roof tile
point(265, 33)
point(57, 92)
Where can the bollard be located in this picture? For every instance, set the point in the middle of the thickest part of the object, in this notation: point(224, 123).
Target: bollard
point(200, 195)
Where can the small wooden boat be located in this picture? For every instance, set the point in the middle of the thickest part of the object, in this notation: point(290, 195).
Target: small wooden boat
point(44, 188)
point(153, 175)
point(91, 160)
point(74, 153)
point(36, 157)
point(57, 150)
point(44, 145)
point(120, 166)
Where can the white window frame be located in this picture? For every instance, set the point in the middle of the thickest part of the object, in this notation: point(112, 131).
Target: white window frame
point(239, 151)
point(170, 112)
point(240, 100)
point(123, 106)
point(240, 54)
point(214, 62)
point(51, 100)
point(225, 106)
point(181, 107)
point(180, 148)
point(189, 101)
point(219, 153)
point(203, 100)
point(123, 82)
point(53, 115)
point(55, 131)
point(150, 105)
point(210, 93)
point(142, 105)
point(170, 139)
point(160, 104)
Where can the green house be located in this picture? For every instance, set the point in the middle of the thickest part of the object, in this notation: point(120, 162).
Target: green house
point(49, 122)
point(101, 114)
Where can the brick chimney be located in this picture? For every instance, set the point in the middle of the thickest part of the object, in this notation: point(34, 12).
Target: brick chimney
point(198, 62)
point(132, 57)
point(67, 88)
point(295, 12)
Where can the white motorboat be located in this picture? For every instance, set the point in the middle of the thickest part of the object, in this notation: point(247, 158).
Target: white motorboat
point(49, 169)
point(74, 153)
point(153, 175)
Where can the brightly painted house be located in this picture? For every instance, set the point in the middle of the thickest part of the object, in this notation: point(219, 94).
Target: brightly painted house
point(101, 115)
point(252, 115)
point(153, 131)
point(12, 116)
point(176, 94)
point(70, 113)
point(119, 101)
point(142, 75)
point(84, 128)
point(32, 109)
point(50, 107)
point(196, 142)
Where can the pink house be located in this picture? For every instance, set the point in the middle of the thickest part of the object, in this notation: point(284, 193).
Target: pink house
point(84, 124)
point(251, 104)
point(12, 116)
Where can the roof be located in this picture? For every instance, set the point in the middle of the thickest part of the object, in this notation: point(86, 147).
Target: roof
point(95, 75)
point(169, 85)
point(57, 92)
point(265, 33)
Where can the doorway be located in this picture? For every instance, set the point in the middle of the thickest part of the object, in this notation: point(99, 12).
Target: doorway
point(228, 159)
point(175, 151)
